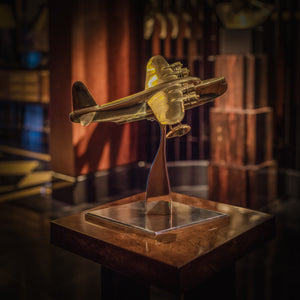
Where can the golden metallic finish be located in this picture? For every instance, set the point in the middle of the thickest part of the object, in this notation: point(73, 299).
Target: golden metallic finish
point(178, 131)
point(169, 91)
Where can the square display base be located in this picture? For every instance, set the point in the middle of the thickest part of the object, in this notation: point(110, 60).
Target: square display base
point(132, 215)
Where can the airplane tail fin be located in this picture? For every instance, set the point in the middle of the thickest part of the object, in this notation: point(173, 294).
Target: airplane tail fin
point(82, 99)
point(81, 96)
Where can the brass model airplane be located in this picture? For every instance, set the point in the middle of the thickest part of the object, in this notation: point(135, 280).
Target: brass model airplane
point(169, 91)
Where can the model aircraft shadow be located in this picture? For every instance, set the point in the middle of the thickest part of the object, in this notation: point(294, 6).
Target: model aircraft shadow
point(104, 135)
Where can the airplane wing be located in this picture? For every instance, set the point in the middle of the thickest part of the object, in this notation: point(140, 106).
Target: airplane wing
point(159, 71)
point(167, 105)
point(166, 89)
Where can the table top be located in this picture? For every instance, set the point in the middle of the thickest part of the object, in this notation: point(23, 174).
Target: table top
point(176, 261)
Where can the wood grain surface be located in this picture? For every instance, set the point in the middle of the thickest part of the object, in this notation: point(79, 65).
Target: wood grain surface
point(246, 76)
point(252, 186)
point(177, 261)
point(241, 136)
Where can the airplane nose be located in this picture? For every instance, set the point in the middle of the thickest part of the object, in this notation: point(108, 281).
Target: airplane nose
point(214, 87)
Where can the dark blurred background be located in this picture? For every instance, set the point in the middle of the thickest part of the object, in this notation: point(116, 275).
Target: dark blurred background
point(243, 149)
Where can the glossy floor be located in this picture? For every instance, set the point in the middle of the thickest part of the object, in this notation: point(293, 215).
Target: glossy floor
point(32, 268)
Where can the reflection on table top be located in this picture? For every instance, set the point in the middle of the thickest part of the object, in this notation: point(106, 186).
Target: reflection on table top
point(179, 259)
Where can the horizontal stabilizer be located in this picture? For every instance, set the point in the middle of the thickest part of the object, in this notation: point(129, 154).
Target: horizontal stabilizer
point(81, 96)
point(87, 119)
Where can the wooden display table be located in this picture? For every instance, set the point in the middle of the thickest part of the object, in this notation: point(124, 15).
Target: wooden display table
point(177, 261)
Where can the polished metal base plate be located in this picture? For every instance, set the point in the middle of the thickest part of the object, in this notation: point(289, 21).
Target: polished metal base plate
point(132, 215)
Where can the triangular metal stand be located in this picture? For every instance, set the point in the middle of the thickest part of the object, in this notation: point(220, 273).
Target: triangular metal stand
point(156, 213)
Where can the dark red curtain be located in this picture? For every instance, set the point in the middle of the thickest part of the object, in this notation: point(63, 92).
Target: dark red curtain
point(98, 43)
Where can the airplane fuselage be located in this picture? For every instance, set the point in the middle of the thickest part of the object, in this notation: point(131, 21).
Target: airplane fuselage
point(135, 108)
